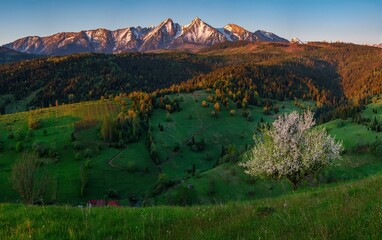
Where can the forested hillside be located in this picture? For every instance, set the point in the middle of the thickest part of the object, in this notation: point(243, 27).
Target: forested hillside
point(322, 72)
point(8, 55)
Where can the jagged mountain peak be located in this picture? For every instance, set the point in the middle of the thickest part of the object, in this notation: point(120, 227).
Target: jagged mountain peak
point(264, 36)
point(167, 34)
point(235, 28)
point(195, 22)
point(161, 36)
point(199, 32)
point(296, 41)
point(197, 19)
point(167, 21)
point(235, 32)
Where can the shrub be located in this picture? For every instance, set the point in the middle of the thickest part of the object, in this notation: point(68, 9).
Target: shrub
point(198, 146)
point(78, 145)
point(245, 114)
point(211, 187)
point(276, 109)
point(11, 136)
point(131, 166)
point(204, 103)
point(163, 178)
point(242, 135)
point(232, 112)
point(249, 118)
point(88, 164)
point(30, 134)
point(217, 107)
point(78, 156)
point(121, 143)
point(265, 211)
point(112, 194)
point(88, 153)
point(19, 146)
point(33, 123)
point(40, 148)
point(72, 137)
point(378, 149)
point(208, 157)
point(183, 196)
point(340, 124)
point(176, 148)
point(168, 117)
point(84, 180)
point(20, 136)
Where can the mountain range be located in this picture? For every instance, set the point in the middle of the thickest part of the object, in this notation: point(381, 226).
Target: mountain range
point(167, 35)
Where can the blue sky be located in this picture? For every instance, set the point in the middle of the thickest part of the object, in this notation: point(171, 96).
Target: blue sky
point(358, 21)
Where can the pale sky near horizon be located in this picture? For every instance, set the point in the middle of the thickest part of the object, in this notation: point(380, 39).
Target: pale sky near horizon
point(310, 20)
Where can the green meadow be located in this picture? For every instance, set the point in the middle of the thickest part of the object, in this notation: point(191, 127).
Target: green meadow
point(197, 176)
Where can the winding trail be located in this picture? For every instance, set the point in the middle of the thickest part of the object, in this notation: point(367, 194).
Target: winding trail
point(111, 164)
point(188, 140)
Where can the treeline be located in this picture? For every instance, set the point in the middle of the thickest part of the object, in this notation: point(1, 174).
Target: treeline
point(359, 67)
point(89, 76)
point(9, 56)
point(338, 77)
point(250, 84)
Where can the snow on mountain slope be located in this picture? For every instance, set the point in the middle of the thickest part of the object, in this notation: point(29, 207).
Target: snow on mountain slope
point(296, 41)
point(238, 33)
point(128, 39)
point(161, 37)
point(166, 35)
point(200, 32)
point(264, 36)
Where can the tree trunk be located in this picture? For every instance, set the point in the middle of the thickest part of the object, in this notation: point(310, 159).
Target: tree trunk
point(294, 182)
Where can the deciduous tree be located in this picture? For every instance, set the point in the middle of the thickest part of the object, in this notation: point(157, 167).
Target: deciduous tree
point(24, 178)
point(292, 149)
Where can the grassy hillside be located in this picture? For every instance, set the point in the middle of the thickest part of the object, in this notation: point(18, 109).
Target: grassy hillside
point(362, 158)
point(333, 212)
point(108, 167)
point(216, 178)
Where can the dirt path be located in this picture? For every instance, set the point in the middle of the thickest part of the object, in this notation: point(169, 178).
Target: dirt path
point(188, 140)
point(110, 162)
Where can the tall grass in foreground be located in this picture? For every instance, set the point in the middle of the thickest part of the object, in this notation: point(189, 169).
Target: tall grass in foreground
point(352, 210)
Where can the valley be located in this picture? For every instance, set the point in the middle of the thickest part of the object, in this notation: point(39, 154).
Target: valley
point(162, 136)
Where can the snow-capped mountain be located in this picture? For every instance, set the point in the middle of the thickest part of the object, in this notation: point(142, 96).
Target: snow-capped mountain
point(234, 32)
point(129, 39)
point(167, 35)
point(199, 32)
point(162, 36)
point(296, 41)
point(264, 36)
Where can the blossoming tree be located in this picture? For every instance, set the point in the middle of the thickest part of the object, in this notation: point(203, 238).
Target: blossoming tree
point(291, 148)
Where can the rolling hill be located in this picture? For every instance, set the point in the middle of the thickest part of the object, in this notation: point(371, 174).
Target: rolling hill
point(8, 56)
point(326, 73)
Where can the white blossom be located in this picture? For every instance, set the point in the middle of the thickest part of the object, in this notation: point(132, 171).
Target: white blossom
point(292, 149)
